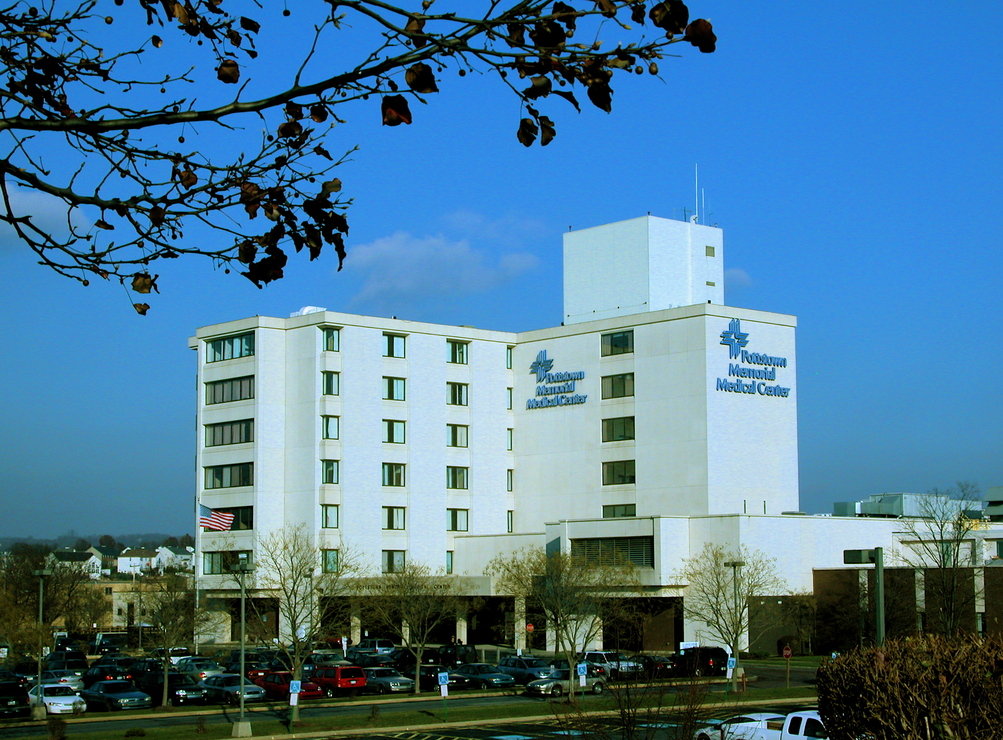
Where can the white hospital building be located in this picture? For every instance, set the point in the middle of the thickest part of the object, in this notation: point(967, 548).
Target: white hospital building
point(652, 419)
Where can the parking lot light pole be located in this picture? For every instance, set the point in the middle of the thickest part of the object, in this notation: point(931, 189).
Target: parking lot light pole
point(242, 727)
point(38, 710)
point(735, 565)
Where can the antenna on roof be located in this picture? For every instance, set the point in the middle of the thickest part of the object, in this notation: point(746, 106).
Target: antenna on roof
point(696, 193)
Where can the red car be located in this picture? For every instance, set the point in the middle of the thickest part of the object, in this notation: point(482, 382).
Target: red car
point(339, 679)
point(276, 686)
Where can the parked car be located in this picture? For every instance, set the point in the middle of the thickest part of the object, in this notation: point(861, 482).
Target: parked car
point(387, 681)
point(63, 677)
point(60, 663)
point(373, 645)
point(758, 726)
point(13, 700)
point(455, 654)
point(199, 668)
point(142, 666)
point(404, 660)
point(524, 668)
point(700, 661)
point(563, 681)
point(9, 676)
point(108, 672)
point(485, 676)
point(372, 660)
point(253, 669)
point(181, 688)
point(57, 699)
point(227, 688)
point(428, 678)
point(655, 666)
point(276, 686)
point(339, 679)
point(110, 695)
point(174, 654)
point(734, 728)
point(616, 664)
point(60, 656)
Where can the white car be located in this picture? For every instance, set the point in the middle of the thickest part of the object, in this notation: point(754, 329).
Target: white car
point(57, 698)
point(740, 727)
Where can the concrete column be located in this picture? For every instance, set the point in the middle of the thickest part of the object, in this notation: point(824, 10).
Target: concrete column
point(355, 622)
point(519, 623)
point(461, 622)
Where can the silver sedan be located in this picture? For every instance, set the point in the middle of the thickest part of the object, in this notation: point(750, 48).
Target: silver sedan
point(561, 682)
point(227, 688)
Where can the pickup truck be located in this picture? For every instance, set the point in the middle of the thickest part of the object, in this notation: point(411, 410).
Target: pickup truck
point(762, 726)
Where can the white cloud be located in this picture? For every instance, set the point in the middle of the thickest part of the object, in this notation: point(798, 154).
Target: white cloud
point(405, 267)
point(736, 277)
point(47, 213)
point(507, 230)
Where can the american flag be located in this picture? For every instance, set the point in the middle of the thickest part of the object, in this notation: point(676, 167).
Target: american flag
point(212, 519)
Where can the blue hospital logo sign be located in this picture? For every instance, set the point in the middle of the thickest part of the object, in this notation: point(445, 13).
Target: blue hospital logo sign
point(554, 389)
point(760, 370)
point(735, 338)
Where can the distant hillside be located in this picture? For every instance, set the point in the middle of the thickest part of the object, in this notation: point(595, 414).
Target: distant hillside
point(69, 539)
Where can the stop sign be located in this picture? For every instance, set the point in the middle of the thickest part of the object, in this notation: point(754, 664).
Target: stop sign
point(788, 652)
point(529, 627)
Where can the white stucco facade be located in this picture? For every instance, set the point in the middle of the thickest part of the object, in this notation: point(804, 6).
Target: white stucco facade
point(652, 412)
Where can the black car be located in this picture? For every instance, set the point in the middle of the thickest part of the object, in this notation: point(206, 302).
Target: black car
point(181, 688)
point(9, 676)
point(13, 700)
point(428, 678)
point(655, 666)
point(700, 661)
point(111, 695)
point(106, 672)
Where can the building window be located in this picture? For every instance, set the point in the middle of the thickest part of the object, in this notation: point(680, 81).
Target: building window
point(330, 471)
point(617, 343)
point(230, 348)
point(508, 439)
point(393, 345)
point(711, 283)
point(329, 561)
point(639, 551)
point(508, 398)
point(330, 382)
point(393, 517)
point(229, 476)
point(393, 431)
point(330, 337)
point(457, 351)
point(709, 251)
point(509, 479)
point(617, 472)
point(457, 477)
point(231, 389)
point(330, 427)
point(393, 474)
point(449, 562)
point(457, 394)
point(618, 429)
point(393, 561)
point(393, 389)
point(329, 516)
point(457, 435)
point(215, 563)
point(456, 519)
point(509, 521)
point(508, 358)
point(618, 386)
point(229, 433)
point(615, 511)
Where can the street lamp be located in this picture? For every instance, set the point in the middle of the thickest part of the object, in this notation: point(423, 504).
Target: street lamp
point(242, 727)
point(735, 565)
point(38, 710)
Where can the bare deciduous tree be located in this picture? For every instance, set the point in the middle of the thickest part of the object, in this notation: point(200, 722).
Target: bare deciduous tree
point(941, 545)
point(412, 603)
point(288, 568)
point(720, 583)
point(99, 122)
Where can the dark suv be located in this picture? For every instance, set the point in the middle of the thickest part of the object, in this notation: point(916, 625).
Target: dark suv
point(13, 700)
point(700, 661)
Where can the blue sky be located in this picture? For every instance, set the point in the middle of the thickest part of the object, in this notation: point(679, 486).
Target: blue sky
point(850, 152)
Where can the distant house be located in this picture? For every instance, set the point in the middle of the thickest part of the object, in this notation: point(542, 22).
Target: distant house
point(108, 556)
point(86, 561)
point(175, 558)
point(136, 560)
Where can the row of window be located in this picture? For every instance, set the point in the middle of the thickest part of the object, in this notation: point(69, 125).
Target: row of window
point(394, 432)
point(393, 518)
point(394, 345)
point(234, 475)
point(394, 389)
point(609, 551)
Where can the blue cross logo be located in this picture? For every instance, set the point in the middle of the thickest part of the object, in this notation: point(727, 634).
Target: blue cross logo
point(542, 366)
point(734, 338)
